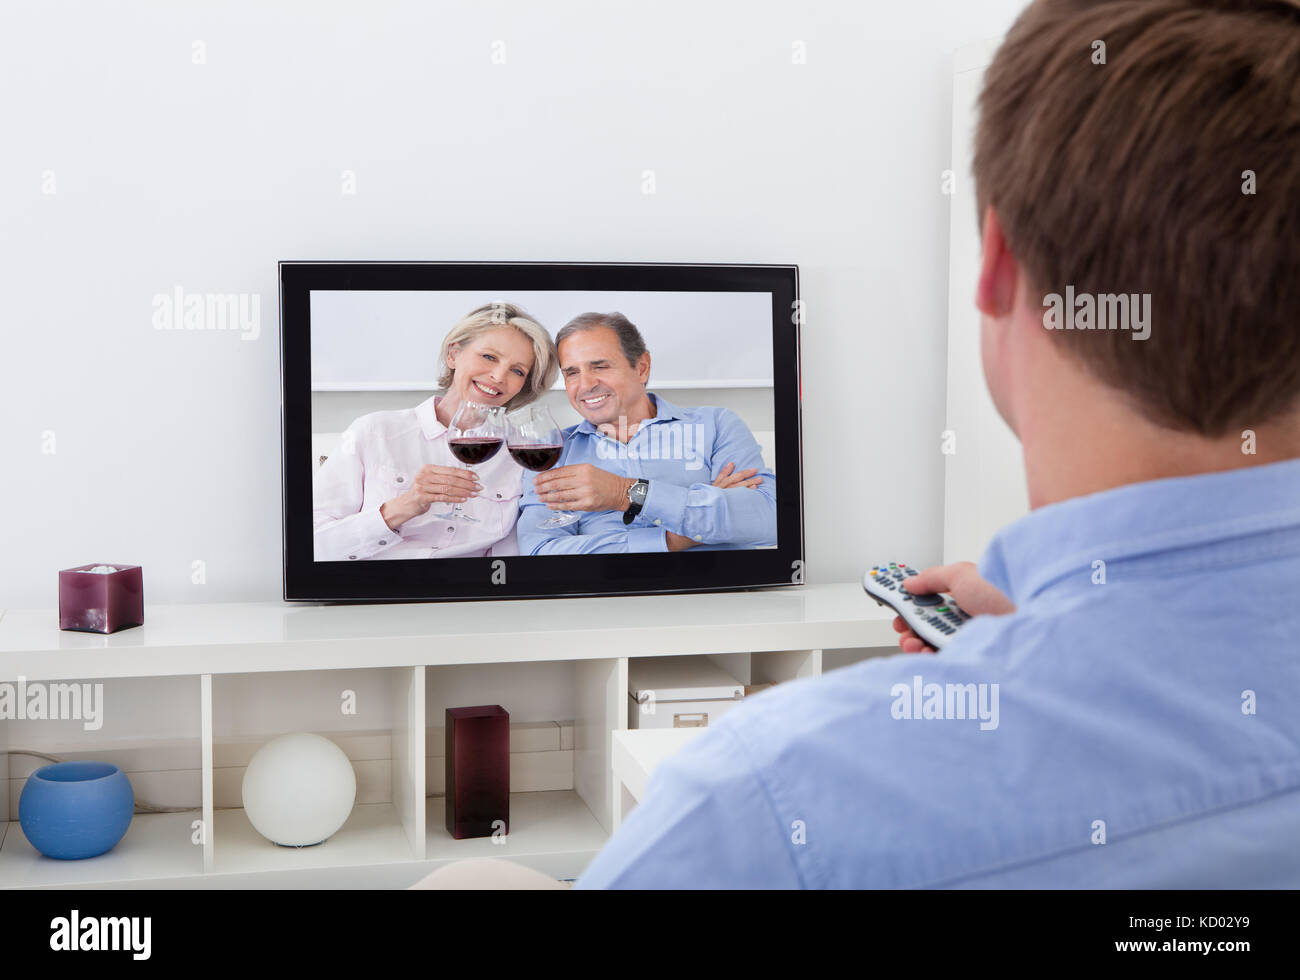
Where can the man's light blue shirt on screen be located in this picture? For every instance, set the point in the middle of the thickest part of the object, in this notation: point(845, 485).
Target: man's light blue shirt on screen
point(679, 452)
point(1143, 731)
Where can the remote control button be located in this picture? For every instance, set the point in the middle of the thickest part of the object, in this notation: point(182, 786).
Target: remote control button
point(928, 599)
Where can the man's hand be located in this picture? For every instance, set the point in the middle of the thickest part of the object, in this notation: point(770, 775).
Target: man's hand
point(582, 487)
point(960, 580)
point(727, 478)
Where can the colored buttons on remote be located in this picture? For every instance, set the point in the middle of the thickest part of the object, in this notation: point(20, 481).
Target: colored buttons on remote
point(936, 611)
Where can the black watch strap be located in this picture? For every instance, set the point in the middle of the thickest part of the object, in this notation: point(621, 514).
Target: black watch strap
point(634, 506)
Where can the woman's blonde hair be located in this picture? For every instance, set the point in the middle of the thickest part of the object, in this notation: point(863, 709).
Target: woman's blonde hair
point(493, 316)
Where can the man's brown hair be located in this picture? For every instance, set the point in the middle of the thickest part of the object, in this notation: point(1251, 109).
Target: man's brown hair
point(1130, 176)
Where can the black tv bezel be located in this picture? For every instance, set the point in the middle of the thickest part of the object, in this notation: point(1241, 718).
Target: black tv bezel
point(532, 576)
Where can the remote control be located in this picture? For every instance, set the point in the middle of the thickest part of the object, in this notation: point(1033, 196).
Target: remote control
point(933, 617)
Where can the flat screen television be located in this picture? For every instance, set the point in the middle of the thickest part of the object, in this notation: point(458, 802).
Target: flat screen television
point(437, 444)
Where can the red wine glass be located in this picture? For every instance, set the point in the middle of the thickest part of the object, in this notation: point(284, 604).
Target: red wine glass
point(536, 443)
point(475, 435)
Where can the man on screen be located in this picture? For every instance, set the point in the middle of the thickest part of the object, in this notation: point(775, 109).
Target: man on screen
point(643, 474)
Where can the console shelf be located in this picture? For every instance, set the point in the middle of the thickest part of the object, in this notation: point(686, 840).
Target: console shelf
point(158, 845)
point(396, 836)
point(554, 832)
point(372, 835)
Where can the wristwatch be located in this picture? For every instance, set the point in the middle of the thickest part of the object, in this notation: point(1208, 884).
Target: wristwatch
point(636, 494)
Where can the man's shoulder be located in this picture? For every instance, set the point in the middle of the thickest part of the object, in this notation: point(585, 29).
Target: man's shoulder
point(714, 422)
point(716, 414)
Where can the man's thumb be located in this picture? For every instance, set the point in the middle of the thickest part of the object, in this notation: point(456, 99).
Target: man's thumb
point(931, 580)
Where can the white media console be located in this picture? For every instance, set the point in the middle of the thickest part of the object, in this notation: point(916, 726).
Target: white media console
point(213, 656)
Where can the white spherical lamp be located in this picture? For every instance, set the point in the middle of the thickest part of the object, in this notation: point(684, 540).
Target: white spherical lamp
point(299, 790)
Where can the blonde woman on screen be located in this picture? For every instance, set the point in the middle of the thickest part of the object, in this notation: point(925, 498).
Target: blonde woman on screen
point(387, 491)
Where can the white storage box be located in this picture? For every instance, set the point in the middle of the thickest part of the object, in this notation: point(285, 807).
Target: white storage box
point(678, 692)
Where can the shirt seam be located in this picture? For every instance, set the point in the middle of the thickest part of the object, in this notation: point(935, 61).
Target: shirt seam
point(773, 811)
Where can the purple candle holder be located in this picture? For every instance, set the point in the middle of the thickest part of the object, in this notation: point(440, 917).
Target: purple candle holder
point(101, 598)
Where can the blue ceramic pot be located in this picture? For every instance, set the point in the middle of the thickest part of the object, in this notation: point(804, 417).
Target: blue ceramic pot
point(74, 810)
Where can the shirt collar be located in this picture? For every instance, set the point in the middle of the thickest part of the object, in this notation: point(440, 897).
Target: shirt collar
point(665, 411)
point(425, 412)
point(1179, 523)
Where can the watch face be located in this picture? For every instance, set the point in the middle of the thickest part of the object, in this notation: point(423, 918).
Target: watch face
point(637, 492)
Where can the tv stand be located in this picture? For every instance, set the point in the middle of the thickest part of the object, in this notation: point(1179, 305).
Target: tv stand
point(760, 636)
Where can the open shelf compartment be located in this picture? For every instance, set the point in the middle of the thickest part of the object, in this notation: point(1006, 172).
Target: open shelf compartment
point(155, 740)
point(379, 726)
point(562, 714)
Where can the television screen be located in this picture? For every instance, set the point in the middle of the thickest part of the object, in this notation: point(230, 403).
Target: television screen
point(472, 430)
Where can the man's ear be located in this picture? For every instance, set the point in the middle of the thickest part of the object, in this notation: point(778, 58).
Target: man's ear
point(995, 293)
point(643, 367)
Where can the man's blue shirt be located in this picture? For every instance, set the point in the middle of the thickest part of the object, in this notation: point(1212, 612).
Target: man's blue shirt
point(1147, 731)
point(679, 452)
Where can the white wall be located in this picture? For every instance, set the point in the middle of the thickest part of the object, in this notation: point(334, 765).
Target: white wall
point(984, 472)
point(166, 172)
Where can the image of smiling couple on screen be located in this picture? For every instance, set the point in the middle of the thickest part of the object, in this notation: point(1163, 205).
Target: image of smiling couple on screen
point(637, 473)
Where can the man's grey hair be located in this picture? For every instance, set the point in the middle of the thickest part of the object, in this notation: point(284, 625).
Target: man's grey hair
point(629, 337)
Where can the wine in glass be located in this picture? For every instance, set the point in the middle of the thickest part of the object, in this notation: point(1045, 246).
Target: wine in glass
point(536, 442)
point(476, 435)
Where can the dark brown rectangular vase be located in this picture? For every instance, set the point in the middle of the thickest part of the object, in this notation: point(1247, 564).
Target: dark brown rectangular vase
point(478, 771)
